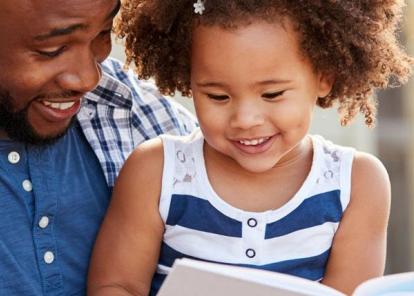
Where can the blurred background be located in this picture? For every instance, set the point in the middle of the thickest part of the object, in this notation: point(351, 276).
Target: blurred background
point(392, 141)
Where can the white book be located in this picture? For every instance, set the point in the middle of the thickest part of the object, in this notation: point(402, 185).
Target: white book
point(196, 278)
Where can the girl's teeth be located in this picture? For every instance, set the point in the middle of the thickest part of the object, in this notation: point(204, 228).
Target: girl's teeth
point(60, 106)
point(253, 142)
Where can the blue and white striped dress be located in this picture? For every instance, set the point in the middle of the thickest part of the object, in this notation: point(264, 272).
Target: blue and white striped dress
point(294, 239)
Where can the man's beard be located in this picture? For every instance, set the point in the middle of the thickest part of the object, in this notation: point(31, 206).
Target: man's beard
point(16, 124)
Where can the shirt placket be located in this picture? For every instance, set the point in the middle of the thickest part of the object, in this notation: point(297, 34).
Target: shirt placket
point(45, 193)
point(253, 235)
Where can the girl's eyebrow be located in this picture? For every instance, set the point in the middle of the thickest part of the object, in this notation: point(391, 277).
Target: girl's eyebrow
point(211, 84)
point(273, 81)
point(264, 82)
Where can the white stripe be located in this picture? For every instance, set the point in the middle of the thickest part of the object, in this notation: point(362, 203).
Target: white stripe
point(323, 187)
point(299, 244)
point(303, 243)
point(346, 177)
point(167, 178)
point(162, 269)
point(199, 244)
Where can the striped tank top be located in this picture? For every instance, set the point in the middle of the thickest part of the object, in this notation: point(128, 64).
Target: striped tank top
point(294, 239)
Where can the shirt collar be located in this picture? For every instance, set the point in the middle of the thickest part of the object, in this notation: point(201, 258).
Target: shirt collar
point(112, 92)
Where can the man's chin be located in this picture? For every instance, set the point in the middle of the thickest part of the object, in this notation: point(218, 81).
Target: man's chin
point(40, 140)
point(18, 127)
point(36, 138)
point(25, 133)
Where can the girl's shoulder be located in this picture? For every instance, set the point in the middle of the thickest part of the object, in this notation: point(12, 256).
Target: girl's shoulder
point(153, 150)
point(366, 169)
point(146, 162)
point(370, 179)
point(150, 151)
point(370, 194)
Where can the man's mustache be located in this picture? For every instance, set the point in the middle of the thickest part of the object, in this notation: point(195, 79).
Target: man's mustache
point(61, 95)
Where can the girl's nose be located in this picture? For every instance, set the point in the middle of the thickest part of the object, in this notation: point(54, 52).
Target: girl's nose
point(247, 115)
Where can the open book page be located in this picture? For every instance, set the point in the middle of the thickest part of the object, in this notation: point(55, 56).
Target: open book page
point(401, 284)
point(195, 278)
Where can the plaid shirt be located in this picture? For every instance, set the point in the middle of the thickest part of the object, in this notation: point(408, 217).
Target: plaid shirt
point(122, 112)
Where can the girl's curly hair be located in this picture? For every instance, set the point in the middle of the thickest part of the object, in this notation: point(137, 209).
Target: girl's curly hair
point(354, 41)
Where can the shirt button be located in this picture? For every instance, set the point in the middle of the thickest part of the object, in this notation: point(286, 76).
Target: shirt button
point(13, 157)
point(252, 222)
point(250, 253)
point(27, 185)
point(49, 257)
point(44, 222)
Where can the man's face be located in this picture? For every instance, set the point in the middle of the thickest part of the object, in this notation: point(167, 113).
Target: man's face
point(49, 58)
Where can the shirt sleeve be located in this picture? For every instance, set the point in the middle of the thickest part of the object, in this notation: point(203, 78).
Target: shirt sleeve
point(152, 113)
point(186, 119)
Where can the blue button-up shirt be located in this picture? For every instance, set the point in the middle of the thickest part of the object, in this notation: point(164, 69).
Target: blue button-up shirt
point(53, 198)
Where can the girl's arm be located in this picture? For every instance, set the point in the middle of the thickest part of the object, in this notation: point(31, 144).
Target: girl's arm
point(359, 246)
point(126, 251)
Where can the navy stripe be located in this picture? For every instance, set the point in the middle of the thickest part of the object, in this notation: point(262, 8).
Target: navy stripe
point(108, 94)
point(311, 268)
point(316, 210)
point(198, 214)
point(156, 283)
point(168, 255)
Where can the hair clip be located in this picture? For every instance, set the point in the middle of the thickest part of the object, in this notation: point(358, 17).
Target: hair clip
point(199, 7)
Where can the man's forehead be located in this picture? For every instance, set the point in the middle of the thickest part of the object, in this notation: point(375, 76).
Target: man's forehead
point(42, 19)
point(58, 8)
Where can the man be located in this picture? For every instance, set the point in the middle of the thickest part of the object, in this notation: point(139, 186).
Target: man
point(68, 120)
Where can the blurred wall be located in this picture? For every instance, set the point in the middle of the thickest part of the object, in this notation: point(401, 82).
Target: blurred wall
point(408, 108)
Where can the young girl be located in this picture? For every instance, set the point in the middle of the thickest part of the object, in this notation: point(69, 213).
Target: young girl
point(251, 187)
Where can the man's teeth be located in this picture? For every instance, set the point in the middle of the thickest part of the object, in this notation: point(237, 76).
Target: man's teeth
point(254, 141)
point(60, 106)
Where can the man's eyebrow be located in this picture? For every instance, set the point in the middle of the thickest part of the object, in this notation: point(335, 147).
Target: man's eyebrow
point(114, 11)
point(70, 29)
point(60, 32)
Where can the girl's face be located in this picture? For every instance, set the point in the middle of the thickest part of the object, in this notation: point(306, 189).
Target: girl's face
point(254, 92)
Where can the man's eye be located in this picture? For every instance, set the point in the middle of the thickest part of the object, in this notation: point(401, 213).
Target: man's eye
point(106, 32)
point(52, 54)
point(218, 97)
point(273, 95)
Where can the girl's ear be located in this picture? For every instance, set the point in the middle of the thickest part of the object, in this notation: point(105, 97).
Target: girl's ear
point(326, 82)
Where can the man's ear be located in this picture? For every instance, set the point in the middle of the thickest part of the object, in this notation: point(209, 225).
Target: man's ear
point(326, 82)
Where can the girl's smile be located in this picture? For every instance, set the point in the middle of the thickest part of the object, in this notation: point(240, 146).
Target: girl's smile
point(255, 145)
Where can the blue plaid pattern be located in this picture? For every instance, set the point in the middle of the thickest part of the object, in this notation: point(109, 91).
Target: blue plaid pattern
point(122, 112)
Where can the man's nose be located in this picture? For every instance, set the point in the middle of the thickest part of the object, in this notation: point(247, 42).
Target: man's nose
point(81, 75)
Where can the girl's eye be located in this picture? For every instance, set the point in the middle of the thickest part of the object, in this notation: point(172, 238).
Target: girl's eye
point(52, 54)
point(273, 95)
point(218, 97)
